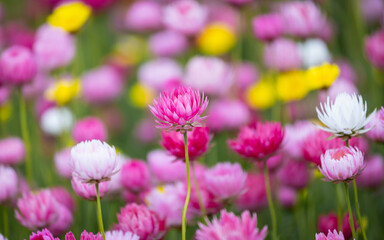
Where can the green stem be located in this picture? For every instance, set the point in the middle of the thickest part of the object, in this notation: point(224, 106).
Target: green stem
point(270, 202)
point(358, 209)
point(184, 220)
point(25, 135)
point(99, 214)
point(199, 198)
point(347, 142)
point(339, 199)
point(352, 225)
point(6, 223)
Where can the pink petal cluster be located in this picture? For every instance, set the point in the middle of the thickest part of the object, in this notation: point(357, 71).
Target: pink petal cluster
point(374, 49)
point(331, 236)
point(168, 43)
point(62, 195)
point(327, 222)
point(267, 27)
point(8, 183)
point(84, 236)
point(89, 128)
point(12, 150)
point(373, 174)
point(294, 174)
point(63, 163)
point(294, 137)
point(144, 16)
point(255, 196)
point(258, 140)
point(198, 142)
point(246, 74)
point(282, 55)
point(164, 167)
point(44, 234)
point(179, 109)
point(232, 227)
point(135, 176)
point(88, 190)
point(377, 127)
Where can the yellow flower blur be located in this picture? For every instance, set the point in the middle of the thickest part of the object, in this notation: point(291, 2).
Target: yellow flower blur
point(63, 91)
point(261, 95)
point(5, 112)
point(141, 96)
point(322, 76)
point(291, 86)
point(130, 50)
point(216, 39)
point(70, 16)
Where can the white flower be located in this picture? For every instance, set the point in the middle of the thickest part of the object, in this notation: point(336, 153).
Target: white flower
point(120, 235)
point(344, 117)
point(2, 237)
point(314, 52)
point(56, 120)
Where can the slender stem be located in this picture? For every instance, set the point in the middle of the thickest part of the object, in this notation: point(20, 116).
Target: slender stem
point(184, 220)
point(351, 223)
point(358, 209)
point(99, 214)
point(270, 202)
point(347, 142)
point(25, 135)
point(339, 199)
point(199, 198)
point(6, 223)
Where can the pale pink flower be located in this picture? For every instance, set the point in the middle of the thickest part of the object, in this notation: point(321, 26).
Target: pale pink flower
point(331, 235)
point(62, 195)
point(374, 48)
point(267, 27)
point(255, 196)
point(120, 235)
point(143, 16)
point(88, 190)
point(8, 183)
point(135, 176)
point(145, 132)
point(2, 237)
point(339, 86)
point(282, 55)
point(63, 163)
point(287, 196)
point(373, 173)
point(377, 127)
point(5, 93)
point(220, 12)
point(168, 43)
point(164, 167)
point(295, 135)
point(89, 128)
point(246, 74)
point(12, 150)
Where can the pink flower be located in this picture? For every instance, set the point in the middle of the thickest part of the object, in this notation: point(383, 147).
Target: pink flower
point(373, 173)
point(374, 49)
point(287, 196)
point(64, 197)
point(8, 183)
point(99, 4)
point(145, 132)
point(84, 236)
point(63, 163)
point(2, 237)
point(179, 109)
point(164, 167)
point(168, 43)
point(88, 190)
point(143, 16)
point(337, 87)
point(120, 235)
point(186, 16)
point(377, 127)
point(232, 227)
point(36, 88)
point(294, 137)
point(16, 33)
point(89, 128)
point(44, 234)
point(372, 10)
point(141, 221)
point(255, 196)
point(225, 180)
point(342, 164)
point(294, 174)
point(282, 55)
point(327, 222)
point(246, 74)
point(135, 175)
point(258, 140)
point(331, 235)
point(268, 26)
point(12, 150)
point(17, 66)
point(198, 142)
point(5, 93)
point(346, 227)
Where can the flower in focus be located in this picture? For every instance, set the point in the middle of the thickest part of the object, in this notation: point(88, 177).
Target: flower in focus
point(164, 167)
point(179, 109)
point(141, 95)
point(143, 16)
point(87, 190)
point(120, 235)
point(282, 55)
point(331, 235)
point(292, 86)
point(345, 116)
point(8, 183)
point(89, 128)
point(268, 26)
point(44, 234)
point(63, 91)
point(342, 164)
point(322, 76)
point(12, 150)
point(261, 95)
point(216, 39)
point(70, 16)
point(135, 175)
point(314, 52)
point(258, 140)
point(94, 161)
point(376, 126)
point(374, 49)
point(232, 227)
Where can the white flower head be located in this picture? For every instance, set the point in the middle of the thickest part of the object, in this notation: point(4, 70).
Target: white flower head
point(345, 116)
point(120, 235)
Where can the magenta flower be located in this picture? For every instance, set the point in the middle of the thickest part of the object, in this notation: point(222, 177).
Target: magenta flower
point(268, 26)
point(135, 176)
point(44, 234)
point(62, 195)
point(232, 227)
point(294, 174)
point(327, 222)
point(89, 128)
point(88, 190)
point(374, 49)
point(179, 109)
point(8, 183)
point(12, 150)
point(84, 236)
point(255, 195)
point(373, 173)
point(287, 196)
point(258, 140)
point(331, 235)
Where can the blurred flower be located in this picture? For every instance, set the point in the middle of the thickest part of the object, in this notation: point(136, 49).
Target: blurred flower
point(246, 74)
point(179, 109)
point(345, 116)
point(89, 128)
point(63, 163)
point(141, 95)
point(261, 95)
point(130, 50)
point(17, 66)
point(55, 121)
point(12, 150)
point(331, 235)
point(216, 39)
point(373, 174)
point(346, 227)
point(198, 143)
point(114, 186)
point(282, 55)
point(62, 195)
point(337, 87)
point(255, 196)
point(323, 76)
point(374, 48)
point(376, 126)
point(98, 4)
point(143, 16)
point(220, 12)
point(294, 174)
point(225, 180)
point(314, 52)
point(5, 93)
point(294, 138)
point(63, 91)
point(18, 34)
point(244, 227)
point(8, 183)
point(210, 75)
point(164, 167)
point(186, 16)
point(267, 27)
point(53, 47)
point(37, 86)
point(287, 196)
point(120, 235)
point(84, 236)
point(70, 16)
point(168, 43)
point(342, 164)
point(141, 221)
point(327, 222)
point(292, 86)
point(239, 2)
point(135, 176)
point(372, 10)
point(145, 132)
point(347, 72)
point(94, 161)
point(88, 190)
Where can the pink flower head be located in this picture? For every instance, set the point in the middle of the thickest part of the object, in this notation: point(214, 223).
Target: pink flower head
point(120, 235)
point(144, 16)
point(17, 66)
point(168, 43)
point(88, 190)
point(294, 137)
point(84, 236)
point(287, 196)
point(225, 180)
point(255, 196)
point(373, 173)
point(339, 86)
point(246, 74)
point(135, 175)
point(268, 26)
point(164, 167)
point(179, 109)
point(258, 140)
point(88, 129)
point(327, 222)
point(331, 235)
point(16, 33)
point(145, 132)
point(198, 142)
point(44, 234)
point(232, 227)
point(12, 150)
point(342, 164)
point(186, 16)
point(282, 54)
point(141, 221)
point(374, 49)
point(64, 197)
point(294, 174)
point(346, 226)
point(377, 127)
point(63, 163)
point(8, 183)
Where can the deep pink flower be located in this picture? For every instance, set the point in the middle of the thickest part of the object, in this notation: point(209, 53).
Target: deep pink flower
point(255, 196)
point(179, 109)
point(62, 195)
point(374, 48)
point(268, 26)
point(164, 167)
point(346, 226)
point(294, 174)
point(98, 4)
point(331, 235)
point(89, 128)
point(84, 236)
point(135, 175)
point(44, 234)
point(294, 136)
point(12, 150)
point(232, 227)
point(287, 196)
point(258, 140)
point(373, 173)
point(327, 222)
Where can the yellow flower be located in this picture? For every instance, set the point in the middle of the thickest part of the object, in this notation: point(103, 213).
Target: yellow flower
point(261, 95)
point(141, 96)
point(292, 86)
point(130, 50)
point(322, 76)
point(5, 112)
point(63, 91)
point(216, 39)
point(70, 16)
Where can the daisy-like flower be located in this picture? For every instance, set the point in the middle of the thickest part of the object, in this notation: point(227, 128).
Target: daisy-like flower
point(345, 117)
point(179, 109)
point(331, 235)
